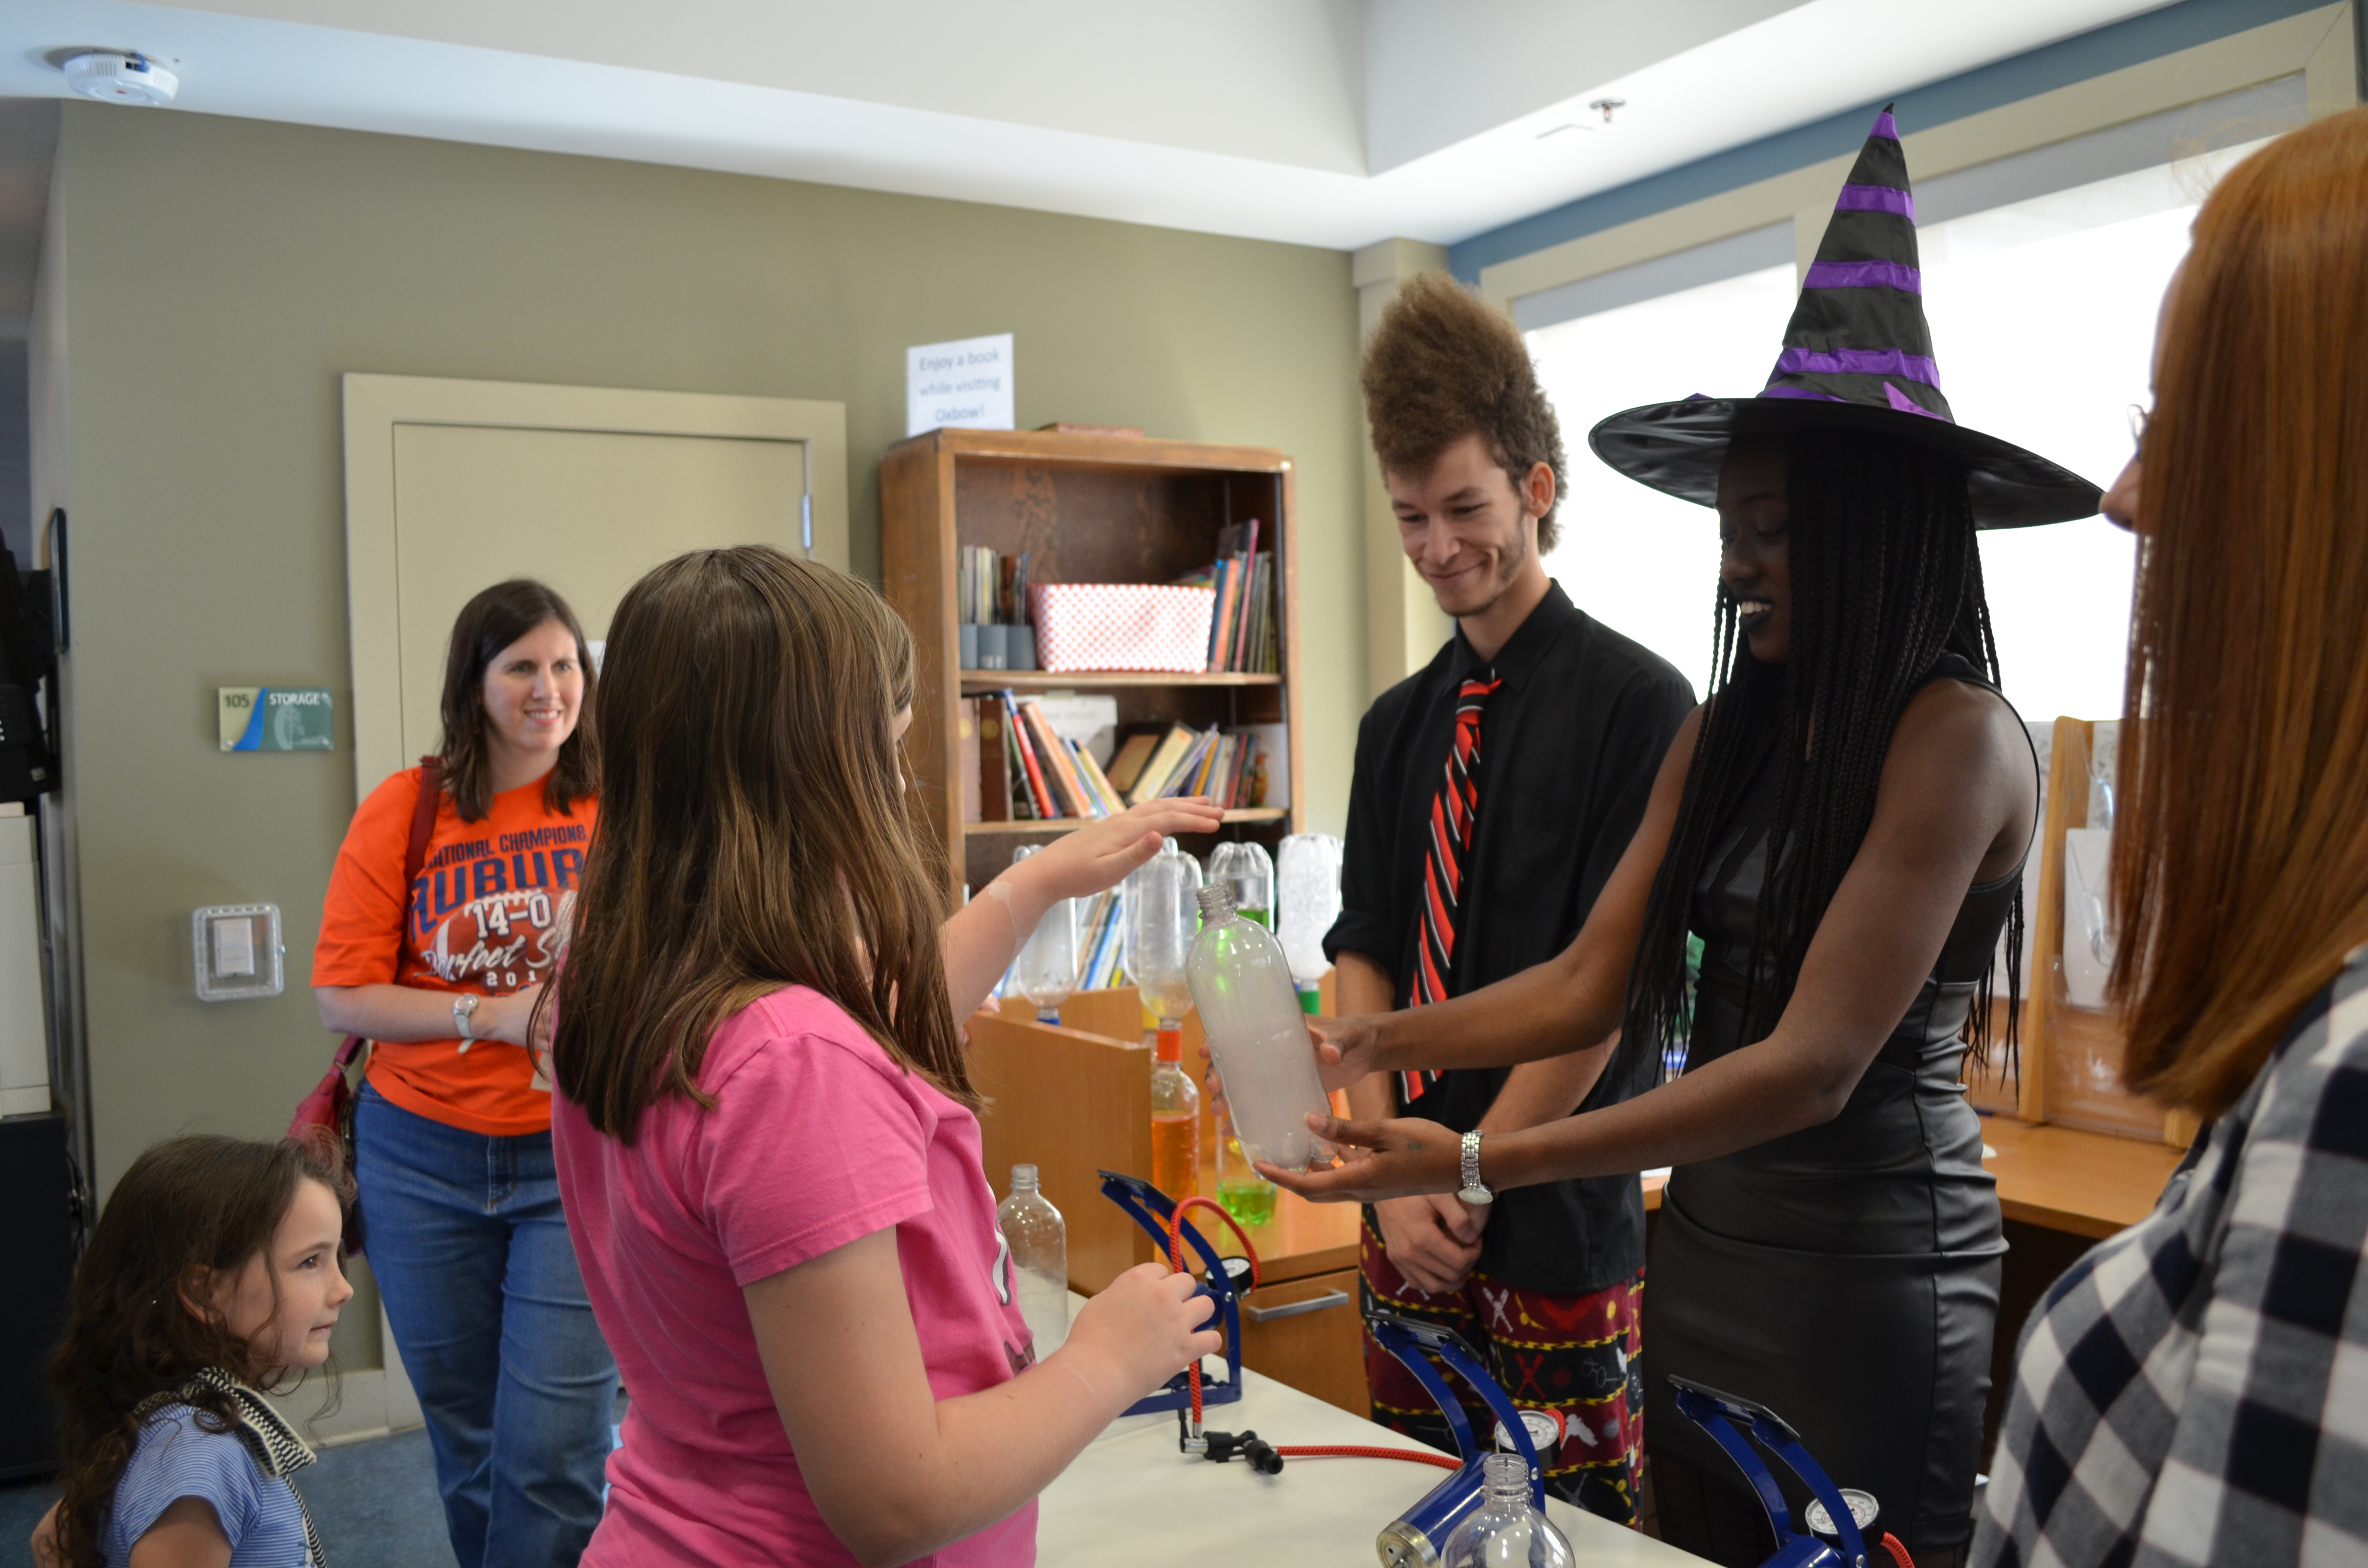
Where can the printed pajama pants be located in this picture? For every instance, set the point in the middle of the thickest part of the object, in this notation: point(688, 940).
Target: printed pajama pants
point(1576, 1354)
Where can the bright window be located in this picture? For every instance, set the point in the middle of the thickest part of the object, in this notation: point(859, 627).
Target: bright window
point(2043, 319)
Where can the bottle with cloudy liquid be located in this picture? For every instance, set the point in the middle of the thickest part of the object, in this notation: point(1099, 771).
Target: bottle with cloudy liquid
point(1047, 964)
point(1258, 1035)
point(1307, 902)
point(1039, 1240)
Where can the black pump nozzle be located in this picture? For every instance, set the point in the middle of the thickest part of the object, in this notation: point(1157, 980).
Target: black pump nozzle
point(1256, 1453)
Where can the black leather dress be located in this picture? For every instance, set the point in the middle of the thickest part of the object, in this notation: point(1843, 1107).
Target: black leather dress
point(1845, 1276)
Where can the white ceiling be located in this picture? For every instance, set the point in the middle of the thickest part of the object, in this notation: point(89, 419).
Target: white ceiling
point(1326, 122)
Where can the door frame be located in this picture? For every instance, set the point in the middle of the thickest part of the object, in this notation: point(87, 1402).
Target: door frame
point(375, 404)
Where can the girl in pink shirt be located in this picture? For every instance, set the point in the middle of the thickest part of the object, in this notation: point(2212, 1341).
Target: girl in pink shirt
point(764, 1126)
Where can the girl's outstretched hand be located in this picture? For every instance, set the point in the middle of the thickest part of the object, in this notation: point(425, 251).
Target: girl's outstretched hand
point(1101, 853)
point(1401, 1157)
point(1344, 1050)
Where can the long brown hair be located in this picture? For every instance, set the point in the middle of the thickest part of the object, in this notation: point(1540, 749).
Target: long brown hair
point(487, 624)
point(755, 832)
point(187, 1210)
point(2240, 863)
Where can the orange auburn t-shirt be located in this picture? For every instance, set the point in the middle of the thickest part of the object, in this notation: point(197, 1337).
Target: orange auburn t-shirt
point(483, 916)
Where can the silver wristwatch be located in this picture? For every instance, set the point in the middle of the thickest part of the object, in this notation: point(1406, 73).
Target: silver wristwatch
point(464, 1007)
point(1475, 1191)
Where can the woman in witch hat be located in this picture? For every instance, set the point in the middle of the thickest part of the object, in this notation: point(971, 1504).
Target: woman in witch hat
point(1844, 823)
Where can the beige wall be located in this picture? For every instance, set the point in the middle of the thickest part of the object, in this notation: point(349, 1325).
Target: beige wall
point(219, 275)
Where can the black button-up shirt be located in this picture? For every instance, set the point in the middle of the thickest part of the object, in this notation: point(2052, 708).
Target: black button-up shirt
point(1569, 746)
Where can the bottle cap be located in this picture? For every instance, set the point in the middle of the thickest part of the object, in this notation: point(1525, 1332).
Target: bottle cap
point(1169, 1045)
point(1216, 902)
point(1023, 1178)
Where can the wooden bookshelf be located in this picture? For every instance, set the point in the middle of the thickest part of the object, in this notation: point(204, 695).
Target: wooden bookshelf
point(975, 682)
point(1071, 825)
point(1084, 509)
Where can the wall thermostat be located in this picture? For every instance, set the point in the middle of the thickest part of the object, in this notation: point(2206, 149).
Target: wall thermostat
point(238, 951)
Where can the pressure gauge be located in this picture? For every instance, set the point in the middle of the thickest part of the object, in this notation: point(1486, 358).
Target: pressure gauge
point(1863, 1509)
point(1546, 1429)
point(1237, 1269)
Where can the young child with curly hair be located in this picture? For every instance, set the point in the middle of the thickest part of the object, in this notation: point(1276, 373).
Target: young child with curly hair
point(213, 1275)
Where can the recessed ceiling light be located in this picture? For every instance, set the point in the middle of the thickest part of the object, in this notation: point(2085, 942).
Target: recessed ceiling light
point(120, 75)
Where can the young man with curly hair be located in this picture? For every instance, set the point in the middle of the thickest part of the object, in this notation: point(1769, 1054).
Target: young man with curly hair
point(1494, 792)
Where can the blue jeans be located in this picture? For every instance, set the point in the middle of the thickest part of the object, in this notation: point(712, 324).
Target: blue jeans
point(471, 1252)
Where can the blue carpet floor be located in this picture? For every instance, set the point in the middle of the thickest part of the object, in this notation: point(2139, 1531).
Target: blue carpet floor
point(374, 1503)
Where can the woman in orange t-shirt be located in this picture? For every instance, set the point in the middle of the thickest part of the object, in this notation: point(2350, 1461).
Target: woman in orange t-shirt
point(452, 1135)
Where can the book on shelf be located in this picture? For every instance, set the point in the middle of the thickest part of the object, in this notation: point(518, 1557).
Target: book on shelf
point(990, 589)
point(1102, 940)
point(1242, 624)
point(1039, 791)
point(1108, 799)
point(966, 759)
point(1126, 762)
point(1152, 783)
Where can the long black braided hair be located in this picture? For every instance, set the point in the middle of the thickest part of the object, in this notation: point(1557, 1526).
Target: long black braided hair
point(1887, 577)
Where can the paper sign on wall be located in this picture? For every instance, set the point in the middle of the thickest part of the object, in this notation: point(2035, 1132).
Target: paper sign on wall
point(959, 386)
point(274, 717)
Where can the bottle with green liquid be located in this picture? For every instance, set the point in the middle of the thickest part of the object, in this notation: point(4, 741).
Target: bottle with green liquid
point(1243, 869)
point(1247, 1196)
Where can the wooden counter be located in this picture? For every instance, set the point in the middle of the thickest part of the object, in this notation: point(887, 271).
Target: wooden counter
point(2060, 1178)
point(2087, 1184)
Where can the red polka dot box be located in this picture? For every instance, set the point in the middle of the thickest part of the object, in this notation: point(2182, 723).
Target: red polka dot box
point(1121, 625)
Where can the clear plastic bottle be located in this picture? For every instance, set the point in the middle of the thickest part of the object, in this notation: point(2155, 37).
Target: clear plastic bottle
point(1507, 1530)
point(1243, 869)
point(1048, 961)
point(1161, 918)
point(1257, 1037)
point(1175, 1119)
point(1040, 1259)
point(1307, 902)
point(1247, 1196)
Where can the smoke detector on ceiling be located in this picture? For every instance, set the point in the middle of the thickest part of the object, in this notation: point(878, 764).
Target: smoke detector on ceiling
point(120, 75)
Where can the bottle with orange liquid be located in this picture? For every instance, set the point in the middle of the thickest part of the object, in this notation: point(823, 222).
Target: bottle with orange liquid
point(1175, 1119)
point(1162, 916)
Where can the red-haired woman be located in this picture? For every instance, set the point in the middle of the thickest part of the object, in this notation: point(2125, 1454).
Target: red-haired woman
point(2196, 1390)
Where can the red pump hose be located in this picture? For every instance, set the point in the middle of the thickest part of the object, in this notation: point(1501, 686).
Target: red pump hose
point(1899, 1552)
point(1336, 1450)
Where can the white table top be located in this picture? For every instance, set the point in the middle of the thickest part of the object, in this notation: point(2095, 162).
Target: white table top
point(1131, 1498)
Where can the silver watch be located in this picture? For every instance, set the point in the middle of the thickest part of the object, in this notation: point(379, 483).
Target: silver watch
point(464, 1007)
point(1475, 1191)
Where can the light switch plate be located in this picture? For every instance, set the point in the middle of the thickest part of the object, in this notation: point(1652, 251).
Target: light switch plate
point(237, 951)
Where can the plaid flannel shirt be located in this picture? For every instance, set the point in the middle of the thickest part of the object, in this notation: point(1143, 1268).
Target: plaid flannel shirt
point(2196, 1390)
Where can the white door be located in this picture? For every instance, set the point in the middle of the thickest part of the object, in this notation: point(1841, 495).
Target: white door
point(585, 512)
point(453, 486)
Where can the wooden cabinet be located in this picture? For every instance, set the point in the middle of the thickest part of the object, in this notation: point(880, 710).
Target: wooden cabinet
point(1076, 1100)
point(1084, 509)
point(1309, 1333)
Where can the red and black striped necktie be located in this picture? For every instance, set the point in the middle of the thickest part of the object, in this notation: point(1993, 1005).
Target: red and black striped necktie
point(1453, 812)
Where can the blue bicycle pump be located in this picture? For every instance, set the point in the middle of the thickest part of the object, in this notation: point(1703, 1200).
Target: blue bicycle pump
point(1154, 1210)
point(1716, 1414)
point(1413, 1540)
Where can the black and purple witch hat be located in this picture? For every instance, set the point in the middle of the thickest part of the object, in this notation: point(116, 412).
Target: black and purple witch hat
point(1857, 356)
